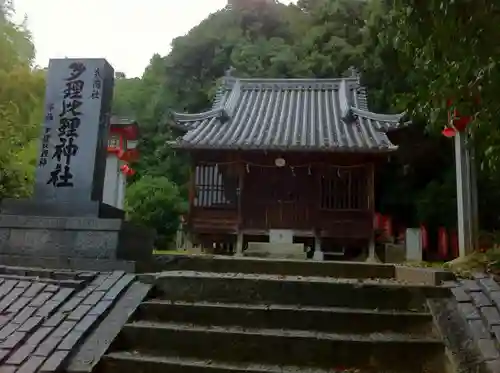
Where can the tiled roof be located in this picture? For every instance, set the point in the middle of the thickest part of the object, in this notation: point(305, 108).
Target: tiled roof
point(289, 114)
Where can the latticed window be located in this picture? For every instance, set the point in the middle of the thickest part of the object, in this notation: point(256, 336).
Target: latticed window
point(344, 189)
point(214, 188)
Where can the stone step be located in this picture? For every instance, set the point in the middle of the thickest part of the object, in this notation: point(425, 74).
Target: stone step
point(306, 291)
point(223, 264)
point(130, 362)
point(327, 319)
point(390, 351)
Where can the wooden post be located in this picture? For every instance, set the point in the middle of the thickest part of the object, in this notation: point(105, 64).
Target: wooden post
point(466, 195)
point(191, 198)
point(474, 200)
point(241, 176)
point(372, 256)
point(239, 236)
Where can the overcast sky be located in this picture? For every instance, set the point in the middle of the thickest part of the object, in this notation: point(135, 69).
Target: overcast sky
point(126, 32)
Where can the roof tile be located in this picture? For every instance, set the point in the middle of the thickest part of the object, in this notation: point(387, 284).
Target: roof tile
point(289, 114)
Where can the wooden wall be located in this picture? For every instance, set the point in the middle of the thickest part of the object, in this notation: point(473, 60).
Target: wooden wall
point(325, 193)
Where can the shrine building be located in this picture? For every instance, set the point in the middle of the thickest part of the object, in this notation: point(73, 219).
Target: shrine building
point(285, 160)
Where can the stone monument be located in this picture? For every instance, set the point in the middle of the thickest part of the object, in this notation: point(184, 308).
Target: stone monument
point(66, 217)
point(413, 245)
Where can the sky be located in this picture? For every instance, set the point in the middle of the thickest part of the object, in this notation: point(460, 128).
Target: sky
point(125, 32)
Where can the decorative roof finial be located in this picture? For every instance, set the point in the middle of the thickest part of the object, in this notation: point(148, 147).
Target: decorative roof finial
point(230, 71)
point(353, 72)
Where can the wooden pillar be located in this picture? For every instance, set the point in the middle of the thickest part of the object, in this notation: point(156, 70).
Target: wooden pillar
point(372, 256)
point(318, 252)
point(371, 188)
point(241, 183)
point(315, 210)
point(191, 198)
point(474, 200)
point(466, 195)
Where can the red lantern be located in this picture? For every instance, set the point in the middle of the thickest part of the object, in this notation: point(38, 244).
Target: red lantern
point(127, 170)
point(449, 132)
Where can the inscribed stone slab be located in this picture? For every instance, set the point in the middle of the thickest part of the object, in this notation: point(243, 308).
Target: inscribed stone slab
point(72, 154)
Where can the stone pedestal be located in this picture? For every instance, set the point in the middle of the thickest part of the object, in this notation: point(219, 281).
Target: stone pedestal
point(75, 237)
point(318, 253)
point(34, 207)
point(275, 250)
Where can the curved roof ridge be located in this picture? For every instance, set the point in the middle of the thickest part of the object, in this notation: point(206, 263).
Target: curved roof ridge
point(384, 139)
point(184, 117)
point(379, 117)
point(229, 82)
point(232, 101)
point(297, 80)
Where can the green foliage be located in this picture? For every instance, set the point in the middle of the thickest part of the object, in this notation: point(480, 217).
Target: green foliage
point(413, 55)
point(437, 197)
point(21, 95)
point(451, 48)
point(155, 202)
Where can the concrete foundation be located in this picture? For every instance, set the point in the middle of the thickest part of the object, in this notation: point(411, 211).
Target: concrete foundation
point(34, 207)
point(75, 237)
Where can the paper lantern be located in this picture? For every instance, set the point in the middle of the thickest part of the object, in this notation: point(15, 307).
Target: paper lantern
point(449, 132)
point(127, 170)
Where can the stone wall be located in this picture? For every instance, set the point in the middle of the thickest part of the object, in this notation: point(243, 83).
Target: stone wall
point(478, 301)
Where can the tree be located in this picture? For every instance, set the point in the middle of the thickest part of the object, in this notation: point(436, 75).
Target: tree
point(452, 48)
point(333, 42)
point(21, 95)
point(448, 50)
point(452, 45)
point(387, 41)
point(155, 202)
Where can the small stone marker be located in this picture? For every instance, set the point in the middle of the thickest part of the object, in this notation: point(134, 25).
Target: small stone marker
point(72, 159)
point(414, 244)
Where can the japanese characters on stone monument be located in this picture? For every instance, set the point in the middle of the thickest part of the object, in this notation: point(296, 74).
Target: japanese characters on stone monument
point(71, 164)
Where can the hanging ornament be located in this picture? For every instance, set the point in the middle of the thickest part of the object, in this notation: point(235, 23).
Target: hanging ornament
point(280, 162)
point(449, 132)
point(456, 121)
point(127, 170)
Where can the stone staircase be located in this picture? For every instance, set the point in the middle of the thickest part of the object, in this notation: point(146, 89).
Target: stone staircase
point(220, 322)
